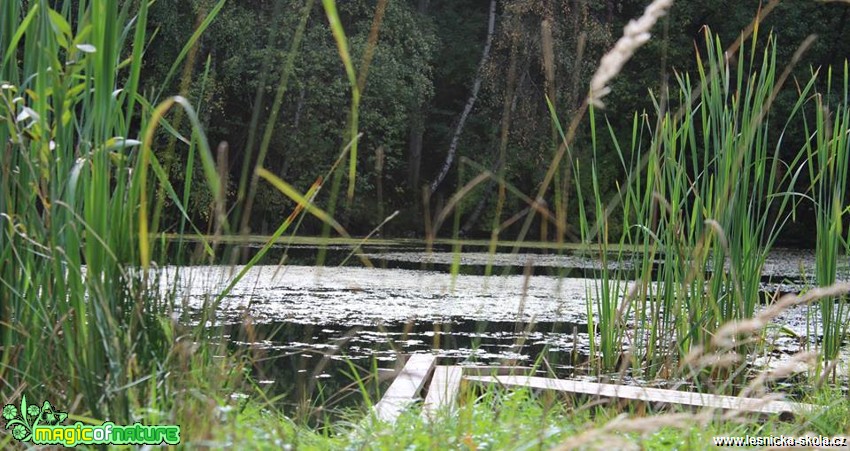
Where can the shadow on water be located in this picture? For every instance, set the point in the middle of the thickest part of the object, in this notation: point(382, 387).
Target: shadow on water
point(785, 268)
point(317, 366)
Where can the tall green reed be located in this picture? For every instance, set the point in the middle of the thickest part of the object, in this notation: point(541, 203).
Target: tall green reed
point(80, 318)
point(707, 196)
point(828, 156)
point(610, 287)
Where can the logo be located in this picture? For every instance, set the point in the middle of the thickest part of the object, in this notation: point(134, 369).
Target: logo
point(43, 426)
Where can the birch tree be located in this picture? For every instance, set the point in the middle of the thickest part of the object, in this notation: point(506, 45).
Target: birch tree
point(473, 97)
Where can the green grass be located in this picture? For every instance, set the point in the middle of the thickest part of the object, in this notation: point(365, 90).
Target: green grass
point(520, 419)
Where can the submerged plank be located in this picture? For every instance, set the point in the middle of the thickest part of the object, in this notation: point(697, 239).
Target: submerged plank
point(649, 394)
point(490, 370)
point(405, 388)
point(443, 390)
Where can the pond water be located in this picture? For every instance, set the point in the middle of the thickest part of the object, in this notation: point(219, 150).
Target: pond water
point(314, 326)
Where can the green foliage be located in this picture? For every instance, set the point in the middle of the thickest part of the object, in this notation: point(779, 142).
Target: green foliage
point(65, 167)
point(308, 134)
point(82, 323)
point(420, 78)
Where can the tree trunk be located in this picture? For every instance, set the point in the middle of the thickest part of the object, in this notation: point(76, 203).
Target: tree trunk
point(414, 156)
point(476, 86)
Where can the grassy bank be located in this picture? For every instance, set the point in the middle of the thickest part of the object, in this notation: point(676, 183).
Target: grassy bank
point(520, 419)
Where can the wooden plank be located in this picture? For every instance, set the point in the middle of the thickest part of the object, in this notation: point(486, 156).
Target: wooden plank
point(443, 390)
point(490, 370)
point(649, 394)
point(405, 388)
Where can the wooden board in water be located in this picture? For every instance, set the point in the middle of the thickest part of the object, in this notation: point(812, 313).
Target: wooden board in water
point(443, 390)
point(406, 386)
point(649, 394)
point(490, 370)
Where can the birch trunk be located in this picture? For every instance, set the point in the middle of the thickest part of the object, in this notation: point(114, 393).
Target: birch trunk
point(476, 86)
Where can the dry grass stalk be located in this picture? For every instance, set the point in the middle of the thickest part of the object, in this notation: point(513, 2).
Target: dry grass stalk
point(727, 334)
point(635, 34)
point(786, 369)
point(622, 425)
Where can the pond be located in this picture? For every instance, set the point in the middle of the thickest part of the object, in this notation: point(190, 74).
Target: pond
point(315, 327)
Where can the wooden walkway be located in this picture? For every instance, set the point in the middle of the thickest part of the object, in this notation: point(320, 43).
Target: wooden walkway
point(655, 395)
point(446, 381)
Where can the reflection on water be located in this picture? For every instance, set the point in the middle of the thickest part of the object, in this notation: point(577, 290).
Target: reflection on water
point(371, 296)
point(314, 327)
point(365, 312)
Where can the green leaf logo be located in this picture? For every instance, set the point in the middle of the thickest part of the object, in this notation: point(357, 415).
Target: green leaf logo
point(10, 412)
point(52, 417)
point(21, 421)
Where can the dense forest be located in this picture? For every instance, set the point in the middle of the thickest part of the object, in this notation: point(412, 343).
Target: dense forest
point(449, 88)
